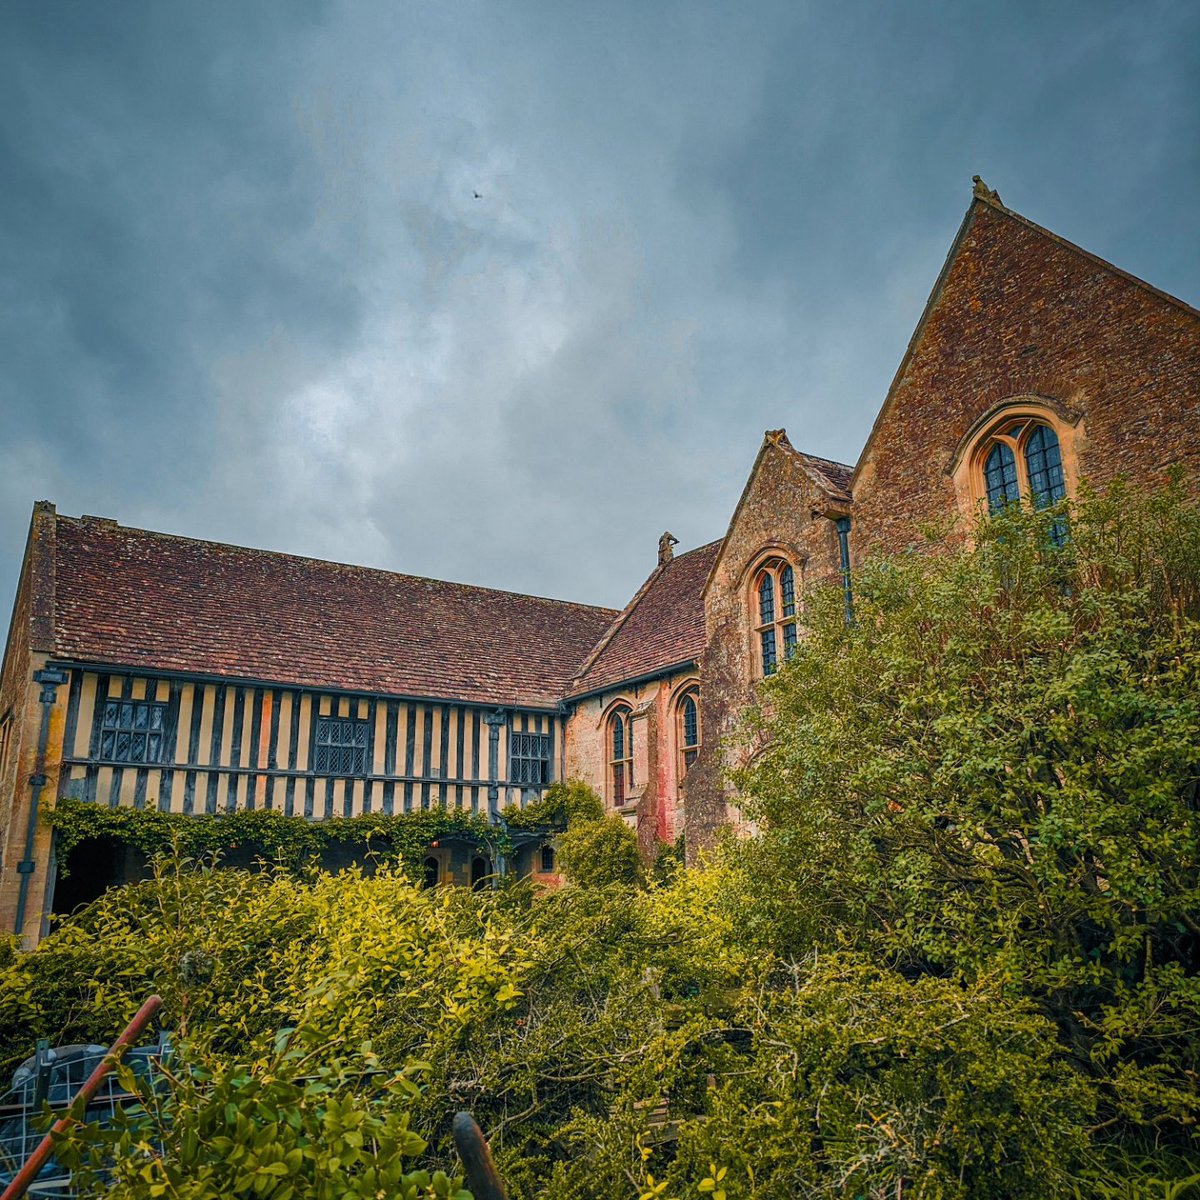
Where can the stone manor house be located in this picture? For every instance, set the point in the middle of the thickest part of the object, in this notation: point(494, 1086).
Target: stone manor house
point(152, 670)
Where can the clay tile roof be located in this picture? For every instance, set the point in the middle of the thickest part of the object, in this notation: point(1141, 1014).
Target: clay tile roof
point(661, 626)
point(834, 477)
point(139, 599)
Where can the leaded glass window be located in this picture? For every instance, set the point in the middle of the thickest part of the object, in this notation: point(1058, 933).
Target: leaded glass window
point(776, 622)
point(340, 746)
point(1000, 477)
point(1043, 461)
point(1023, 461)
point(620, 767)
point(689, 730)
point(766, 599)
point(133, 731)
point(769, 658)
point(787, 588)
point(529, 759)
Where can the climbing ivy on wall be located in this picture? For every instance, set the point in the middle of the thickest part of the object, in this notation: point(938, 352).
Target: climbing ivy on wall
point(290, 841)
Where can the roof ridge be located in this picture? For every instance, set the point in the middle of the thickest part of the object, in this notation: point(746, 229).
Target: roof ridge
point(833, 462)
point(694, 550)
point(623, 616)
point(105, 524)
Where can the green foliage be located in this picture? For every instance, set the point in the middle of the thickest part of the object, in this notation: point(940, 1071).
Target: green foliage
point(960, 959)
point(599, 853)
point(296, 1120)
point(995, 773)
point(291, 841)
point(567, 802)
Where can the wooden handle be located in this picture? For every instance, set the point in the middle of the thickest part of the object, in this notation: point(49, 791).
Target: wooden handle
point(482, 1177)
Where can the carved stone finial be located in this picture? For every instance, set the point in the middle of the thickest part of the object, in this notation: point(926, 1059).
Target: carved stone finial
point(983, 192)
point(666, 547)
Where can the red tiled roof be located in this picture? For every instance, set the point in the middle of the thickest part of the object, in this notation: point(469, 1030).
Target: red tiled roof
point(661, 626)
point(138, 599)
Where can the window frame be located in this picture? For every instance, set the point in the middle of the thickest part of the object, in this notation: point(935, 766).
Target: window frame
point(780, 628)
point(543, 760)
point(690, 695)
point(967, 464)
point(1014, 436)
point(620, 767)
point(131, 730)
point(318, 746)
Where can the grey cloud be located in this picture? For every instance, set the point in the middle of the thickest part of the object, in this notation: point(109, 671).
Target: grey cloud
point(247, 290)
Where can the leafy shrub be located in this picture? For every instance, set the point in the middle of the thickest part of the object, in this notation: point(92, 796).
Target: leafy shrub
point(599, 853)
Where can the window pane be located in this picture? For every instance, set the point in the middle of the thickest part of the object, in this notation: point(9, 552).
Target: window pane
point(789, 640)
point(1000, 477)
point(618, 737)
point(341, 746)
point(691, 726)
point(768, 651)
point(787, 588)
point(766, 599)
point(1043, 459)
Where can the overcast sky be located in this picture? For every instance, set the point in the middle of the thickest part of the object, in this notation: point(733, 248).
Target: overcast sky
point(498, 292)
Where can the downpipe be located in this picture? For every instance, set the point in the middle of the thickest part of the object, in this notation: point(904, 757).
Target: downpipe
point(50, 679)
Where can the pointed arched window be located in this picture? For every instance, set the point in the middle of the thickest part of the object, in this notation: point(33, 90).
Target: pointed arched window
point(620, 763)
point(1022, 460)
point(688, 730)
point(776, 623)
point(1043, 464)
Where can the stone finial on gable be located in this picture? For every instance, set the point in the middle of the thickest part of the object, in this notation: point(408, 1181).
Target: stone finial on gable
point(985, 193)
point(666, 547)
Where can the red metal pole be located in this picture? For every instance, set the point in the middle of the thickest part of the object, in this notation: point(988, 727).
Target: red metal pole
point(37, 1160)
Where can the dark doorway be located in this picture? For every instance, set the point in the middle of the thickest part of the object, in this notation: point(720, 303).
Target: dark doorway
point(433, 871)
point(480, 870)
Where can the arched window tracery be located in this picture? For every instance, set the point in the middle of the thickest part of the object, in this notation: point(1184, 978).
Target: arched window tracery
point(1021, 459)
point(620, 762)
point(776, 627)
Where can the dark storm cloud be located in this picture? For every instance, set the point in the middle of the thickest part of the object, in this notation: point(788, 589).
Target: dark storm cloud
point(498, 292)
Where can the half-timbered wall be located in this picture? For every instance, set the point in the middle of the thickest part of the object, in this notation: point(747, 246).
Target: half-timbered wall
point(228, 746)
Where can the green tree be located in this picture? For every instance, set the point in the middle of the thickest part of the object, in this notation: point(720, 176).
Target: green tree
point(995, 773)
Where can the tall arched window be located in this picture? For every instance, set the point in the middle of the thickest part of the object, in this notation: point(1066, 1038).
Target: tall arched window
point(620, 762)
point(775, 593)
point(1022, 460)
point(688, 730)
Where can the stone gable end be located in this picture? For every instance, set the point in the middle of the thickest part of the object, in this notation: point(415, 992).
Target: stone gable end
point(1018, 313)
